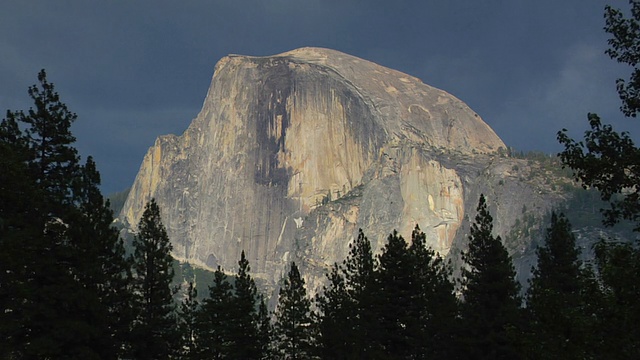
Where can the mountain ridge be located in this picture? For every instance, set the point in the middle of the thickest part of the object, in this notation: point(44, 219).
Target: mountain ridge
point(291, 154)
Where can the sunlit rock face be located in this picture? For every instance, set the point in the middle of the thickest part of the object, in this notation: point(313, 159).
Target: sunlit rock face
point(292, 153)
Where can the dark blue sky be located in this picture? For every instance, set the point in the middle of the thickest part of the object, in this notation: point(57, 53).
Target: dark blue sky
point(134, 70)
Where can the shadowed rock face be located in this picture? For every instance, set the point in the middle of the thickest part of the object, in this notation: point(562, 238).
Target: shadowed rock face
point(292, 153)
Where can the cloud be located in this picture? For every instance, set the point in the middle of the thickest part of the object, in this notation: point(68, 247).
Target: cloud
point(578, 86)
point(561, 99)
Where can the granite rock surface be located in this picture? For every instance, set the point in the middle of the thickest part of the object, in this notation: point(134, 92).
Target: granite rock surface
point(291, 154)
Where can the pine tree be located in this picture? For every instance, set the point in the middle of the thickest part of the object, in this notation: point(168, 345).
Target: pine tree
point(215, 320)
point(618, 267)
point(188, 325)
point(265, 330)
point(358, 270)
point(555, 300)
point(60, 244)
point(16, 184)
point(413, 301)
point(19, 224)
point(394, 295)
point(38, 246)
point(153, 334)
point(336, 318)
point(293, 329)
point(244, 332)
point(101, 263)
point(434, 303)
point(346, 317)
point(54, 161)
point(491, 307)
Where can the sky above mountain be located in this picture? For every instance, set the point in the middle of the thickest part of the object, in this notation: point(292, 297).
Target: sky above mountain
point(134, 70)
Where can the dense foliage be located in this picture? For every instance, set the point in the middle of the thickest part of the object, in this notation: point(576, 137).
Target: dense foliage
point(346, 321)
point(491, 306)
point(64, 279)
point(560, 300)
point(153, 333)
point(293, 329)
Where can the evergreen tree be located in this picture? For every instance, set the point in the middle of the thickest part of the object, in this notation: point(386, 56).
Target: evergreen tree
point(188, 325)
point(37, 243)
point(359, 270)
point(336, 318)
point(231, 326)
point(17, 187)
point(559, 312)
point(153, 334)
point(293, 329)
point(491, 306)
point(345, 305)
point(62, 255)
point(215, 320)
point(394, 335)
point(265, 331)
point(101, 263)
point(434, 303)
point(618, 265)
point(19, 224)
point(53, 159)
point(244, 331)
point(413, 301)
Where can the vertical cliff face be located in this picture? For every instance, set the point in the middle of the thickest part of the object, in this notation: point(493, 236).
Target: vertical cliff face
point(292, 153)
